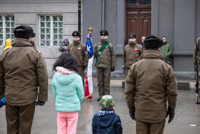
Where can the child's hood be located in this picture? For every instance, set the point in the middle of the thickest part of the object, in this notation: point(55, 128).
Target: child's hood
point(65, 79)
point(105, 117)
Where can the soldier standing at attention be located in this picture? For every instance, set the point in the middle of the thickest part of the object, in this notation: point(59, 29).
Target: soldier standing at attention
point(196, 60)
point(104, 52)
point(132, 52)
point(77, 49)
point(22, 71)
point(151, 81)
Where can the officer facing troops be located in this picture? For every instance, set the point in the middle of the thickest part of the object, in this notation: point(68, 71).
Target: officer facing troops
point(77, 49)
point(196, 60)
point(104, 52)
point(132, 52)
point(151, 81)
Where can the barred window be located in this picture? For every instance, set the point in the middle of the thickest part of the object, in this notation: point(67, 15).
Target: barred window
point(7, 25)
point(51, 30)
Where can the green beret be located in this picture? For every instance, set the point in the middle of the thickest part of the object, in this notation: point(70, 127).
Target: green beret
point(107, 101)
point(76, 33)
point(132, 35)
point(103, 32)
point(152, 42)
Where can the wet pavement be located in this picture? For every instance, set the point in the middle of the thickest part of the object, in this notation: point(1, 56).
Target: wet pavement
point(186, 121)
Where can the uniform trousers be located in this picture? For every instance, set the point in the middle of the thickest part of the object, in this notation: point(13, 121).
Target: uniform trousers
point(67, 122)
point(198, 83)
point(150, 128)
point(19, 118)
point(80, 71)
point(103, 79)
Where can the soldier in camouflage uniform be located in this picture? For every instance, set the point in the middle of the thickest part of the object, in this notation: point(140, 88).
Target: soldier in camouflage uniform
point(104, 52)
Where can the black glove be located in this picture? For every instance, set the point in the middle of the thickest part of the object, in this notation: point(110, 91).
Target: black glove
point(196, 67)
point(89, 56)
point(112, 69)
point(171, 114)
point(132, 112)
point(84, 67)
point(40, 103)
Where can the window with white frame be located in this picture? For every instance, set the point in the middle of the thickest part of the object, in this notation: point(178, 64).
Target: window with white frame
point(51, 30)
point(7, 25)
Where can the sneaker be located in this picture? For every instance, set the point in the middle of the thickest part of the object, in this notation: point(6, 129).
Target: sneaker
point(198, 102)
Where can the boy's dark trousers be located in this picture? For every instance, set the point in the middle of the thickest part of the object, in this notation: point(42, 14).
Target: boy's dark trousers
point(19, 118)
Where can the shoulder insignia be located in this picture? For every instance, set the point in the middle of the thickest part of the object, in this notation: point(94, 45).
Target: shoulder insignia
point(167, 62)
point(38, 50)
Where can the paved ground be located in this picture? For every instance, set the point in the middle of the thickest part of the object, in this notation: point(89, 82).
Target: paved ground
point(187, 119)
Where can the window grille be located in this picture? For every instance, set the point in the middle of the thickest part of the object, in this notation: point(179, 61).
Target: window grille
point(51, 30)
point(7, 25)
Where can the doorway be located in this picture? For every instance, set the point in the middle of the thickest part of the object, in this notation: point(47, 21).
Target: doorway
point(138, 18)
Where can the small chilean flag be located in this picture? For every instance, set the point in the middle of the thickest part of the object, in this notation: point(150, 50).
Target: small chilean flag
point(135, 49)
point(78, 48)
point(106, 47)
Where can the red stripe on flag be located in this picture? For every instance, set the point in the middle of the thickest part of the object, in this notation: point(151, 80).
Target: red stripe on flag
point(87, 92)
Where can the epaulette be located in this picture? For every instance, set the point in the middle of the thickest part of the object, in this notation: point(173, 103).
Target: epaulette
point(38, 51)
point(167, 62)
point(135, 61)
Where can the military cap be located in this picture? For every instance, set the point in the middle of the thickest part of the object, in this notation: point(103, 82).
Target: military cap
point(152, 42)
point(76, 33)
point(23, 31)
point(103, 32)
point(33, 35)
point(132, 35)
point(107, 101)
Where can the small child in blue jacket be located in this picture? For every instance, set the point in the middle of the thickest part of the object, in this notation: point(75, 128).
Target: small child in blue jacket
point(2, 102)
point(106, 121)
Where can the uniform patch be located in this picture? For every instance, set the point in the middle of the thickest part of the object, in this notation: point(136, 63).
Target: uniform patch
point(70, 48)
point(78, 48)
point(135, 49)
point(99, 46)
point(106, 47)
point(114, 49)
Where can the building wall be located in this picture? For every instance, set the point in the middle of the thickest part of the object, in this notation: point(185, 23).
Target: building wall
point(28, 11)
point(171, 19)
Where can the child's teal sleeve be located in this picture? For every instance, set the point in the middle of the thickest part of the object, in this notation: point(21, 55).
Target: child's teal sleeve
point(3, 100)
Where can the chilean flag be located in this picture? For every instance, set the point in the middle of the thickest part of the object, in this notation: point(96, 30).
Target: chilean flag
point(78, 48)
point(88, 81)
point(135, 49)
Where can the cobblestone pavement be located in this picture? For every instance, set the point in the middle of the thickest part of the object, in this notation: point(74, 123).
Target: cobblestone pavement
point(186, 121)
